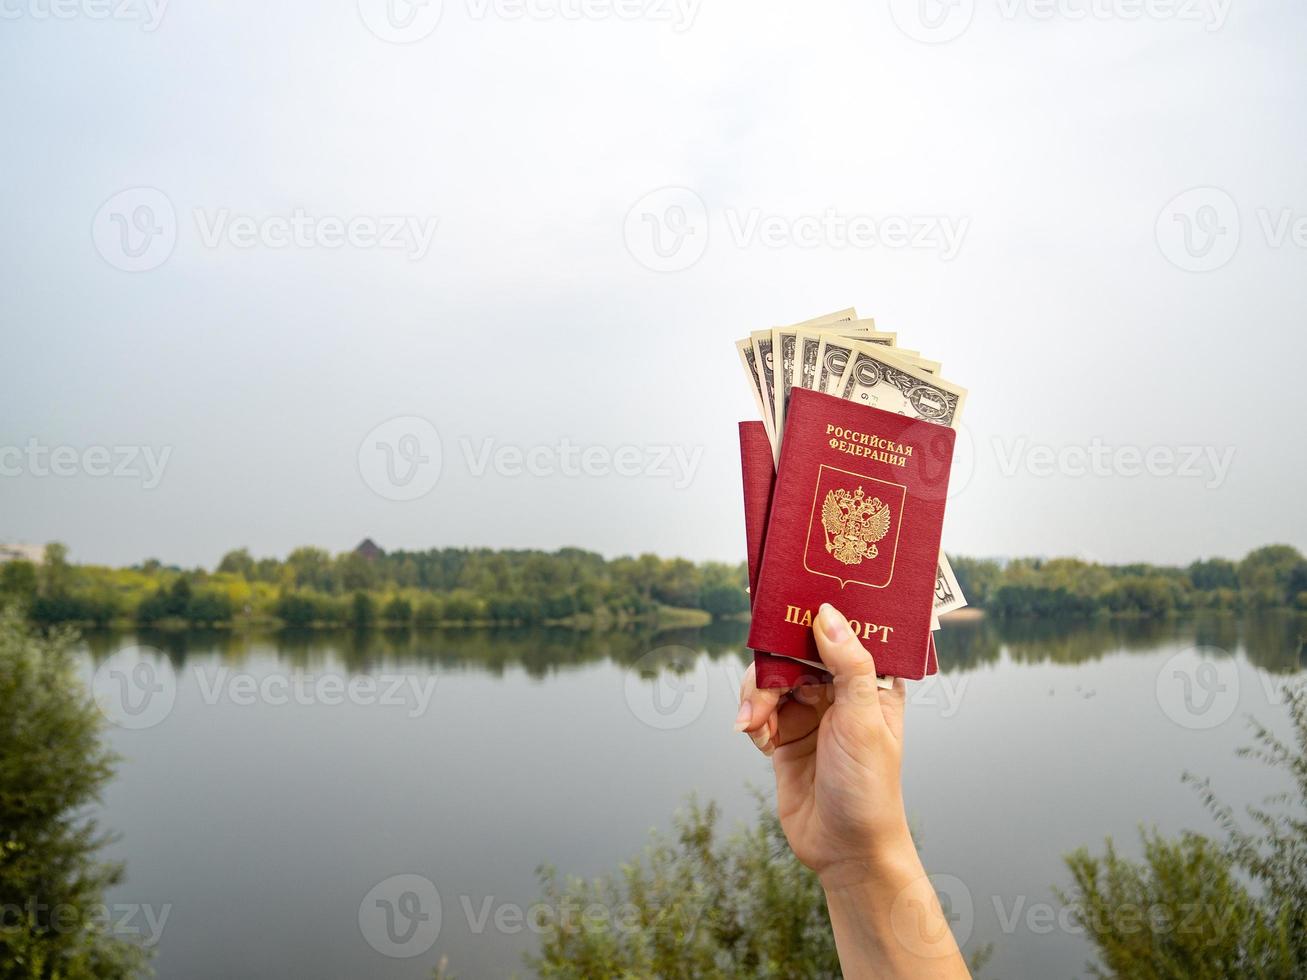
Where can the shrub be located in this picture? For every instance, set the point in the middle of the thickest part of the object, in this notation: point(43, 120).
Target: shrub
point(53, 766)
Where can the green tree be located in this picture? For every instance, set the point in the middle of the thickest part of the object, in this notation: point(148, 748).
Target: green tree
point(56, 573)
point(53, 766)
point(238, 562)
point(363, 610)
point(18, 581)
point(1266, 573)
point(1212, 574)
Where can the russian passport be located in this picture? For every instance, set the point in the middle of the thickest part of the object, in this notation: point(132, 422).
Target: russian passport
point(852, 514)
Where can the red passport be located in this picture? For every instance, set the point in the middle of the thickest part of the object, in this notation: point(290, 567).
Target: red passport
point(759, 473)
point(856, 516)
point(759, 477)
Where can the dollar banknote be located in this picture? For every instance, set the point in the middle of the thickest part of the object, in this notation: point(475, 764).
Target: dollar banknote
point(785, 341)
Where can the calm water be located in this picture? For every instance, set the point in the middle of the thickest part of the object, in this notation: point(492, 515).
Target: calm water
point(264, 801)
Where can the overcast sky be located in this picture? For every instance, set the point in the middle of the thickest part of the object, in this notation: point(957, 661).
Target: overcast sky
point(268, 271)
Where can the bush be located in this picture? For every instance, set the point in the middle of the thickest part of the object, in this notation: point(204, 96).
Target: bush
point(1200, 908)
point(398, 610)
point(53, 766)
point(694, 906)
point(428, 612)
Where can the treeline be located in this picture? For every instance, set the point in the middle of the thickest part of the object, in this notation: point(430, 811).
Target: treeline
point(1272, 577)
point(312, 587)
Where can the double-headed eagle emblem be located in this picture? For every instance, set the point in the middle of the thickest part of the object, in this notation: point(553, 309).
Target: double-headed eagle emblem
point(853, 523)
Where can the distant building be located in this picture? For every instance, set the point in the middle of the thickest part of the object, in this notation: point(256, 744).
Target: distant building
point(35, 553)
point(369, 550)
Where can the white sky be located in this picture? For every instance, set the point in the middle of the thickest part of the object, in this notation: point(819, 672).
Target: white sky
point(1054, 142)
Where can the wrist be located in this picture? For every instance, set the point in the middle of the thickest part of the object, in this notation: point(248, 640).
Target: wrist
point(892, 864)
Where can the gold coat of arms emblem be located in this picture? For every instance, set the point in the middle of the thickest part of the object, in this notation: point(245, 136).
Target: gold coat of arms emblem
point(853, 523)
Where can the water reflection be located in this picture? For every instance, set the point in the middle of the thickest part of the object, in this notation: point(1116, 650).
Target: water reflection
point(1276, 642)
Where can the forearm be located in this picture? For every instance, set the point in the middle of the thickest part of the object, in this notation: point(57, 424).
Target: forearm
point(888, 922)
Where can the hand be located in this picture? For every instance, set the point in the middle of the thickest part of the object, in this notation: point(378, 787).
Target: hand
point(837, 752)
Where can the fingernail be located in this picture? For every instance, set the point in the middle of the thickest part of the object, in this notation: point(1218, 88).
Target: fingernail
point(744, 717)
point(762, 739)
point(833, 623)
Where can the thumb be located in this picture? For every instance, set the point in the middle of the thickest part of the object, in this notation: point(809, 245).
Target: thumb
point(846, 658)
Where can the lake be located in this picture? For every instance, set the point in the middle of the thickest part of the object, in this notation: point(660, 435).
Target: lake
point(343, 805)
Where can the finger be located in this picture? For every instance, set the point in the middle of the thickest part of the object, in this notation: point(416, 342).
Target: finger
point(853, 667)
point(757, 706)
point(800, 713)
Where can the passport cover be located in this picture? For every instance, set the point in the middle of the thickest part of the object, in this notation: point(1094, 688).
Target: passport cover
point(759, 478)
point(856, 516)
point(759, 475)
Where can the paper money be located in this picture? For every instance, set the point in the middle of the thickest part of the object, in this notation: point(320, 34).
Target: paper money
point(948, 593)
point(874, 376)
point(789, 362)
